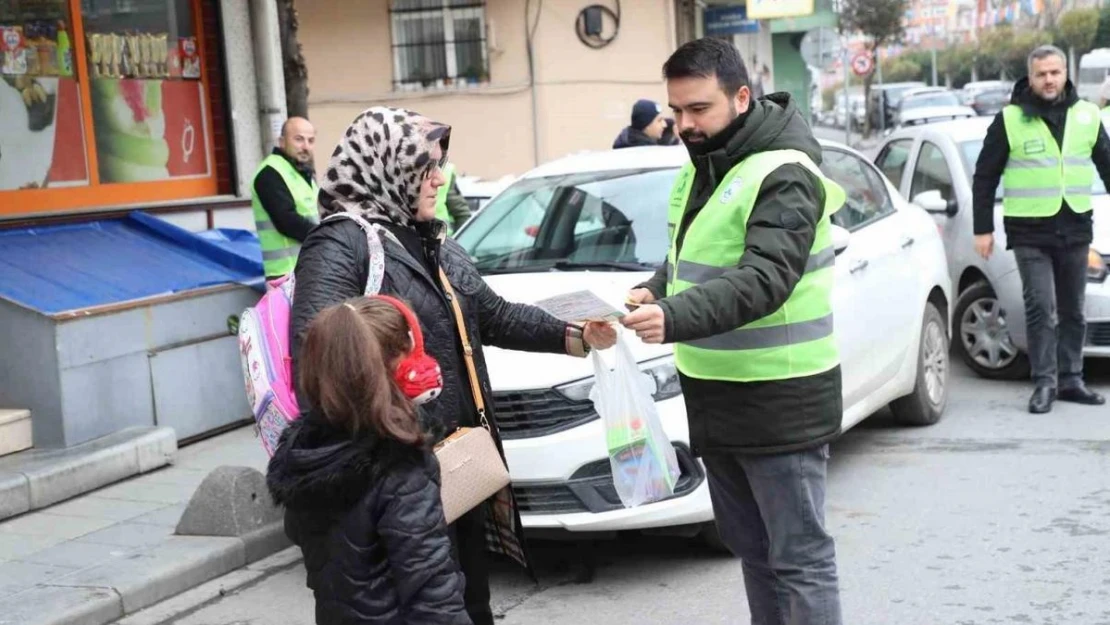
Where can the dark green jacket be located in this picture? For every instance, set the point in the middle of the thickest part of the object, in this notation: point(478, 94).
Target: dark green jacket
point(755, 417)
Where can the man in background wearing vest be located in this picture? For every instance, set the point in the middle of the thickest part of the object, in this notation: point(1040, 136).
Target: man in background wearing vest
point(283, 197)
point(1042, 145)
point(451, 206)
point(746, 298)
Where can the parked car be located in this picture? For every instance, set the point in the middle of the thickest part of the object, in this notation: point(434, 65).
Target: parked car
point(933, 166)
point(885, 98)
point(478, 191)
point(598, 221)
point(989, 102)
point(971, 89)
point(928, 105)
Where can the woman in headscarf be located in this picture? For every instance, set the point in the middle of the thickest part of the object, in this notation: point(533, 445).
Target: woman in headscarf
point(386, 170)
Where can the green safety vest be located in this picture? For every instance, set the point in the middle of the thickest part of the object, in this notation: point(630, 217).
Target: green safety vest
point(794, 341)
point(442, 213)
point(1039, 175)
point(279, 252)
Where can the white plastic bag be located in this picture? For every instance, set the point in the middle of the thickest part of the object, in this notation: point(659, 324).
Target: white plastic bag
point(645, 468)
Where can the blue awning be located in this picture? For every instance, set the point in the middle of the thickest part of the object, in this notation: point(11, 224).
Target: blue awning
point(68, 267)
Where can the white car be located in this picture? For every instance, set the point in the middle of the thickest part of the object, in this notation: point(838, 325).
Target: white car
point(933, 166)
point(598, 221)
point(928, 105)
point(478, 192)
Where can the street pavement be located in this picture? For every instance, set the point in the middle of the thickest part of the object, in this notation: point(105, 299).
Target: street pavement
point(868, 147)
point(991, 516)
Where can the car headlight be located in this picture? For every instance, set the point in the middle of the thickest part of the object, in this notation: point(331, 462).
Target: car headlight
point(661, 371)
point(1096, 266)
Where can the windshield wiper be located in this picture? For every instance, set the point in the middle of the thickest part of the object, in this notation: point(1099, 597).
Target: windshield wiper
point(573, 265)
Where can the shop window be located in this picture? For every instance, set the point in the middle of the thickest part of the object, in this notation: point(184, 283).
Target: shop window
point(42, 133)
point(148, 102)
point(107, 106)
point(438, 43)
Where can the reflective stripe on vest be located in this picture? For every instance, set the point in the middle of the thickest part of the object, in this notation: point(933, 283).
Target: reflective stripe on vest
point(1039, 175)
point(796, 340)
point(279, 252)
point(442, 213)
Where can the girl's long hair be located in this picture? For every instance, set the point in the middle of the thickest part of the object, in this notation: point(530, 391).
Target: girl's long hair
point(346, 374)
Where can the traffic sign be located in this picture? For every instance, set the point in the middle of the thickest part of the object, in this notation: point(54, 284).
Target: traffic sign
point(862, 64)
point(821, 47)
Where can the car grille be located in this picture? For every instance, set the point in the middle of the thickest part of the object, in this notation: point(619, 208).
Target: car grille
point(591, 488)
point(1098, 334)
point(528, 414)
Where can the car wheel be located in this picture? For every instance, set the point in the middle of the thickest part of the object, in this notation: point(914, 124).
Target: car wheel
point(982, 338)
point(925, 405)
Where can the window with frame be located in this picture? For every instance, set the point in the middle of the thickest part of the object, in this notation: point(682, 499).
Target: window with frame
point(867, 198)
point(931, 173)
point(892, 160)
point(438, 43)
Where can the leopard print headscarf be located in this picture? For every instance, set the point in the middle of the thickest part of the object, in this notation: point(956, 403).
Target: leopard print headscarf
point(377, 168)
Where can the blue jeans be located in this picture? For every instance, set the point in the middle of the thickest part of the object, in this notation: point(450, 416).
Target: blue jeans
point(770, 512)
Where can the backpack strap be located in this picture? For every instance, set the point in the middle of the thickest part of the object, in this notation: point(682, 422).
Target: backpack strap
point(376, 273)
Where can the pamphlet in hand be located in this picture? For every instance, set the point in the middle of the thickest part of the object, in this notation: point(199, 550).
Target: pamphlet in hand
point(580, 306)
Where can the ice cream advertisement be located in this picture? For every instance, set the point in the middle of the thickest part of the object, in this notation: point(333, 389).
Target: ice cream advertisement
point(41, 134)
point(149, 129)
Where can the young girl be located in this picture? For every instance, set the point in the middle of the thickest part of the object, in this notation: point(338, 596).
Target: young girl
point(360, 486)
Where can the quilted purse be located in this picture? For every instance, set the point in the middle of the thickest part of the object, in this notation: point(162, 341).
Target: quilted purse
point(471, 468)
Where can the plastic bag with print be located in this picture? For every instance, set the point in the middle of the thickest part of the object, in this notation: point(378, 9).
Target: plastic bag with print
point(645, 468)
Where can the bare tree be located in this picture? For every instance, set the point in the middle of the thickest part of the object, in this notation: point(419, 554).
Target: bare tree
point(880, 22)
point(293, 63)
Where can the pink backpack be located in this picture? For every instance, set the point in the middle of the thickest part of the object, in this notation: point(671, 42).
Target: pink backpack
point(265, 345)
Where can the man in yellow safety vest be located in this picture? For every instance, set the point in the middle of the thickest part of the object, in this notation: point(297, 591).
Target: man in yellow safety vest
point(451, 207)
point(283, 197)
point(745, 296)
point(1042, 146)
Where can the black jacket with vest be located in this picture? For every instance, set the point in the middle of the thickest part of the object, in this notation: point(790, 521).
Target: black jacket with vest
point(367, 516)
point(1065, 229)
point(755, 417)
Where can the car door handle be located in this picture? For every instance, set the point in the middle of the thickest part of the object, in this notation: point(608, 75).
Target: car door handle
point(907, 242)
point(859, 265)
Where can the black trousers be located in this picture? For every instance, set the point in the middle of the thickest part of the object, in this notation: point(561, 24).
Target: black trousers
point(468, 536)
point(1054, 283)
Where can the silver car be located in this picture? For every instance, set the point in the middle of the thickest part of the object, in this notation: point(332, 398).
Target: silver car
point(932, 165)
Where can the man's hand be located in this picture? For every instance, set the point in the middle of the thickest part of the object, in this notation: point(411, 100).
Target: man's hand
point(637, 298)
point(648, 321)
point(599, 335)
point(984, 244)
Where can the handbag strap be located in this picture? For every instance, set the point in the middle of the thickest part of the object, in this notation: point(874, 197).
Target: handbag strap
point(468, 350)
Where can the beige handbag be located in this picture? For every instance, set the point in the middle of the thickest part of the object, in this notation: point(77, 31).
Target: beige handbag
point(471, 469)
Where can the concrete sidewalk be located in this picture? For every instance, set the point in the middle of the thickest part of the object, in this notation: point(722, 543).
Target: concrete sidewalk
point(111, 552)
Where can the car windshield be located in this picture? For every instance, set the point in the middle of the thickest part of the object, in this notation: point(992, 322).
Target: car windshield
point(930, 99)
point(970, 151)
point(607, 221)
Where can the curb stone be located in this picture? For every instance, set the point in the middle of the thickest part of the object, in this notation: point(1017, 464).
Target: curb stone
point(102, 594)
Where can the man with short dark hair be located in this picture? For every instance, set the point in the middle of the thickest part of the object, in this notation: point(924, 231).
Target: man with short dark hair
point(648, 127)
point(745, 296)
point(1042, 146)
point(283, 197)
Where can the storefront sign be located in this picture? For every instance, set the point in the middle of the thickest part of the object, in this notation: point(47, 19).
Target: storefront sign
point(772, 9)
point(728, 20)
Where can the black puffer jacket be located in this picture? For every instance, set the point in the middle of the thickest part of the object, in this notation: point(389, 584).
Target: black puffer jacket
point(368, 518)
point(333, 266)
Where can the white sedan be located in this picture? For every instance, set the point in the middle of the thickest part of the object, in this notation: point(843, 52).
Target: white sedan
point(933, 166)
point(598, 221)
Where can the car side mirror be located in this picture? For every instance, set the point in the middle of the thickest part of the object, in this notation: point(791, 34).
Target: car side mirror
point(840, 238)
point(934, 202)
